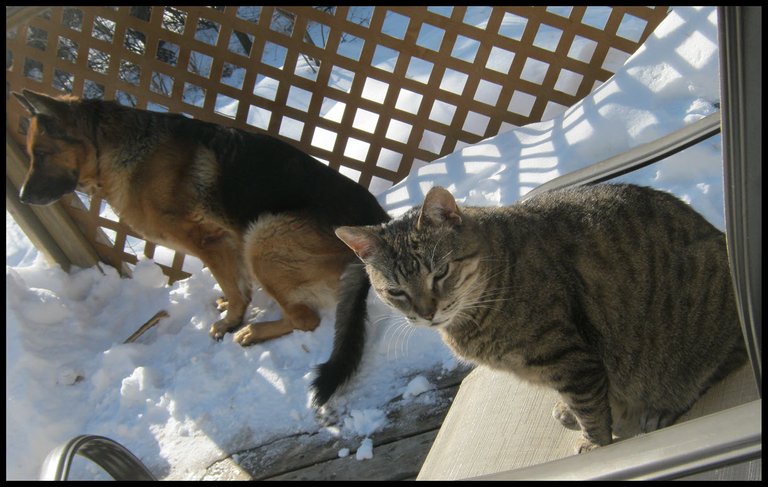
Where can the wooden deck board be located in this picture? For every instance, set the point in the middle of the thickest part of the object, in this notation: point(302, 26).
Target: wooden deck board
point(399, 460)
point(398, 450)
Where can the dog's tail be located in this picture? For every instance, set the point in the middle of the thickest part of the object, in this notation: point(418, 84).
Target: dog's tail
point(349, 341)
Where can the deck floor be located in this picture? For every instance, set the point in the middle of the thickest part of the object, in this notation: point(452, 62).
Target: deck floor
point(398, 451)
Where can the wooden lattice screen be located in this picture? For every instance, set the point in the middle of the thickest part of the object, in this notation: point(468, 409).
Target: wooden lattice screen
point(369, 91)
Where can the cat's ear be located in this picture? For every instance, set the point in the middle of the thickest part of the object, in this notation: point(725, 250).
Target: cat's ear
point(439, 207)
point(360, 240)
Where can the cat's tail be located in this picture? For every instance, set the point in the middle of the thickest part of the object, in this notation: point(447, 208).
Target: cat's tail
point(349, 340)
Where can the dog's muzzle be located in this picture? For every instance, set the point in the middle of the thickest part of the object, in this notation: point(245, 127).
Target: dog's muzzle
point(38, 190)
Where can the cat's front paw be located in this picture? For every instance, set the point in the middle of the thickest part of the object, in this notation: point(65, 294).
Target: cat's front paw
point(563, 413)
point(584, 445)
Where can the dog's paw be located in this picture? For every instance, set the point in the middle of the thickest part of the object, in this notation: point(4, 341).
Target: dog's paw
point(262, 331)
point(249, 335)
point(216, 335)
point(254, 333)
point(219, 329)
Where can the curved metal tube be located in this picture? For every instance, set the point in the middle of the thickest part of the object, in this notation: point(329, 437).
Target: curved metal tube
point(638, 157)
point(110, 455)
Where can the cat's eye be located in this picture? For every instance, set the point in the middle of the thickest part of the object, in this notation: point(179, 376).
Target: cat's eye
point(396, 293)
point(441, 272)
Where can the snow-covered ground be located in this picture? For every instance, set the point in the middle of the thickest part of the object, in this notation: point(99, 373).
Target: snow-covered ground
point(181, 401)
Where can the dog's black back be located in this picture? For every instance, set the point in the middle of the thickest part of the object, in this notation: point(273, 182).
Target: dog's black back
point(296, 183)
point(259, 174)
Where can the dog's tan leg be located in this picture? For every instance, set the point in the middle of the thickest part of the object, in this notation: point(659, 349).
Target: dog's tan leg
point(221, 251)
point(227, 269)
point(298, 266)
point(295, 317)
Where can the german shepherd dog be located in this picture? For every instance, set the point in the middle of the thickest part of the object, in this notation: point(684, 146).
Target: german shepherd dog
point(251, 207)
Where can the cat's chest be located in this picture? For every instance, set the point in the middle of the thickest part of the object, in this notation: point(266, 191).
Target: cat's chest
point(494, 352)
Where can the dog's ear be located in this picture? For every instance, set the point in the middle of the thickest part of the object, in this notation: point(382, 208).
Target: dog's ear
point(37, 104)
point(27, 105)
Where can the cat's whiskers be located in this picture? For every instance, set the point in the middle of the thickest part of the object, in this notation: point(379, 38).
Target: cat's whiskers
point(395, 322)
point(399, 341)
point(409, 331)
point(391, 332)
point(389, 337)
point(405, 334)
point(386, 316)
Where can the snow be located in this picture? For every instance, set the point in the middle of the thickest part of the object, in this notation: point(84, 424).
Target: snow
point(365, 450)
point(417, 386)
point(181, 401)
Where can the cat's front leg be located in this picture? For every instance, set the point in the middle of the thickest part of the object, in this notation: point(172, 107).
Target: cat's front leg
point(587, 399)
point(563, 414)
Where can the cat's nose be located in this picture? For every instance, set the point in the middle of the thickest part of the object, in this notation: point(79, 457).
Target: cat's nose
point(427, 312)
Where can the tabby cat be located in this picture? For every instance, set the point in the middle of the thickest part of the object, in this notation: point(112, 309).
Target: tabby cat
point(617, 296)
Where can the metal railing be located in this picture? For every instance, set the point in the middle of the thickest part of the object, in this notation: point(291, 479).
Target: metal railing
point(636, 158)
point(110, 455)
